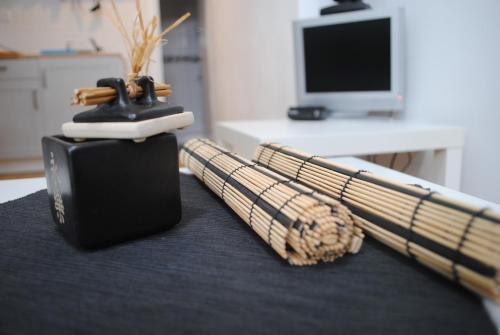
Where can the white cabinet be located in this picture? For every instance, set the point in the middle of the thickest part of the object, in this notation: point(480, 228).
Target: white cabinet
point(61, 77)
point(35, 97)
point(20, 120)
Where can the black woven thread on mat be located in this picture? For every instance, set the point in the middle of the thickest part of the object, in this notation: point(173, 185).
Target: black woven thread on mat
point(409, 238)
point(194, 149)
point(302, 165)
point(351, 177)
point(208, 162)
point(221, 152)
point(262, 151)
point(458, 253)
point(275, 150)
point(258, 198)
point(230, 175)
point(279, 211)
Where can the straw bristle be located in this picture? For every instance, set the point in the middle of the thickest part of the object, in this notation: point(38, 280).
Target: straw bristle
point(143, 38)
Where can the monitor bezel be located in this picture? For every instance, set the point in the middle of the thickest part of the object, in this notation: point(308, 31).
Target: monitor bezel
point(364, 101)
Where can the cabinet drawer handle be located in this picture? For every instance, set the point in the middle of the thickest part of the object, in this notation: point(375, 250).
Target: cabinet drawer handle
point(35, 100)
point(44, 79)
point(3, 68)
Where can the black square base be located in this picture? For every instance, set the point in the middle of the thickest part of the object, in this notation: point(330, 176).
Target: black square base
point(106, 191)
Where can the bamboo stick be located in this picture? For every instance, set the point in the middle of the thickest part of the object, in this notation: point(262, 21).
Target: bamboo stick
point(99, 95)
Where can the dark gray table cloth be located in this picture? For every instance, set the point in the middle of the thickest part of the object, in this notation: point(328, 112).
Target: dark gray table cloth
point(212, 274)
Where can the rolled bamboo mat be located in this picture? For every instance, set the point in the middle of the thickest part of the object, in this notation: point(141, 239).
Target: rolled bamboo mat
point(300, 225)
point(456, 239)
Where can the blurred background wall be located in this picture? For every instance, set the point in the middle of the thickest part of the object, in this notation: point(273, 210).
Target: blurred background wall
point(32, 25)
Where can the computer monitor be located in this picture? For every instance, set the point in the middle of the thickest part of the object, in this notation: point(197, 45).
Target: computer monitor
point(351, 62)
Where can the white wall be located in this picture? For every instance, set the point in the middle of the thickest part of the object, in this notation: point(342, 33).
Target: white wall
point(453, 77)
point(31, 25)
point(249, 58)
point(310, 8)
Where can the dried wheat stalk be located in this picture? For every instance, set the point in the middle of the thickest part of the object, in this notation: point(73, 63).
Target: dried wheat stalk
point(140, 43)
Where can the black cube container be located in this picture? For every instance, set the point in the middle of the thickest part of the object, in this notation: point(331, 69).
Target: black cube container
point(105, 191)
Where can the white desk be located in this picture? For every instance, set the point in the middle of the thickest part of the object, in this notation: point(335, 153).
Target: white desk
point(337, 137)
point(13, 189)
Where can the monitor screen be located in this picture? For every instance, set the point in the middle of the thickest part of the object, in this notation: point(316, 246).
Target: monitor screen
point(348, 57)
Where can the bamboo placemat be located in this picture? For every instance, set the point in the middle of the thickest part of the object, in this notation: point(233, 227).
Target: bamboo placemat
point(300, 225)
point(456, 239)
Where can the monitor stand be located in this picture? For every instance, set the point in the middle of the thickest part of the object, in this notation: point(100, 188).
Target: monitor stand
point(344, 6)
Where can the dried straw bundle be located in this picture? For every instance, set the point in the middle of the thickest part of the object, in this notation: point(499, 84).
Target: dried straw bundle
point(295, 221)
point(458, 240)
point(140, 43)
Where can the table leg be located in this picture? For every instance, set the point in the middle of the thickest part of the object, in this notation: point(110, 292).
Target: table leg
point(449, 163)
